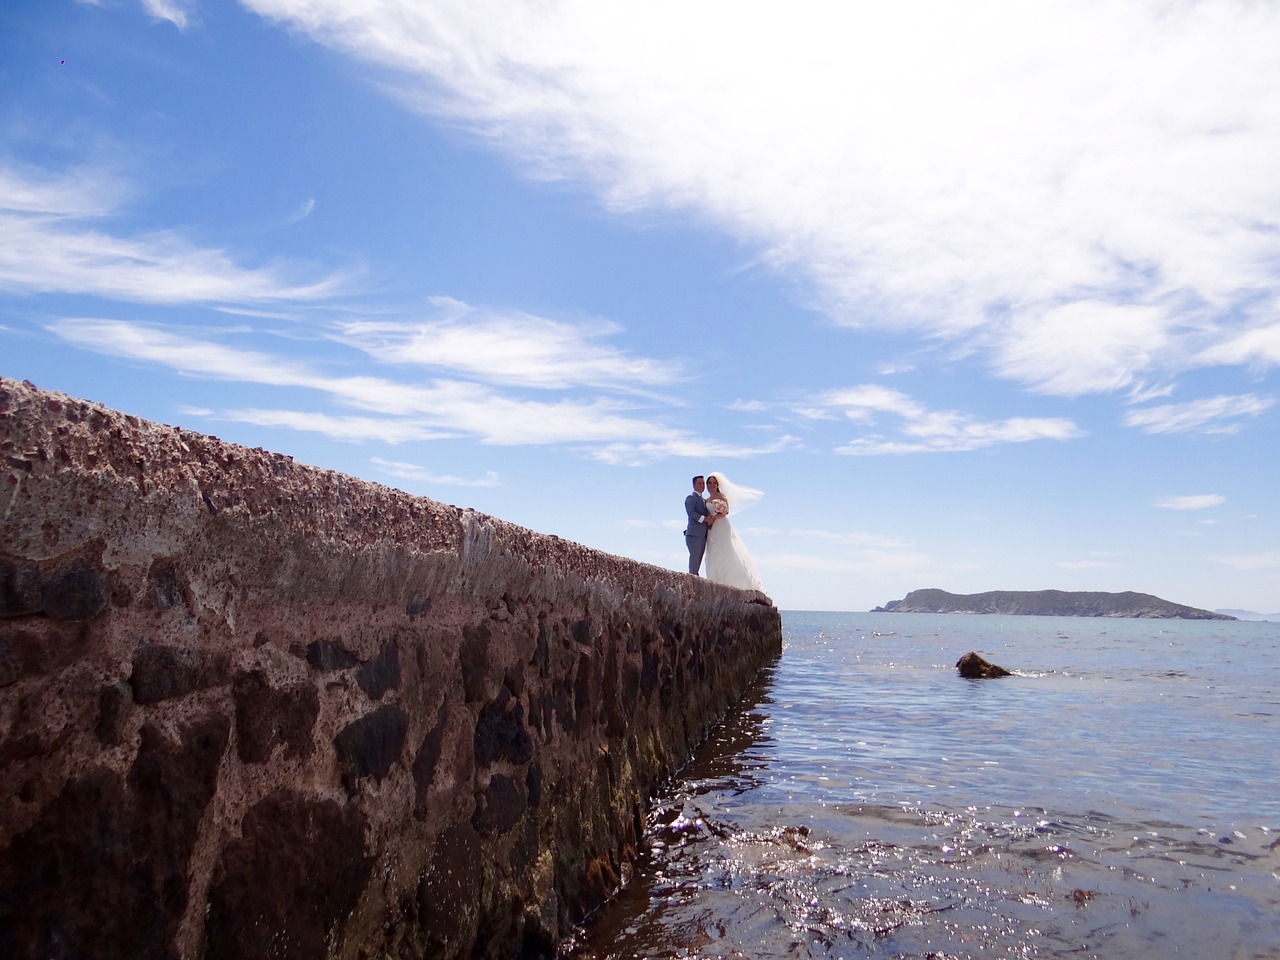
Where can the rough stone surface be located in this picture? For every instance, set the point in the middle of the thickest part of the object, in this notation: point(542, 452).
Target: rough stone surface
point(299, 864)
point(267, 717)
point(102, 871)
point(250, 708)
point(973, 666)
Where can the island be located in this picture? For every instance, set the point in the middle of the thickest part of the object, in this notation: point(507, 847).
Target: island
point(1048, 603)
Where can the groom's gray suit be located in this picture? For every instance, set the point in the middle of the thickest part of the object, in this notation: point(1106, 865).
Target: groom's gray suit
point(695, 534)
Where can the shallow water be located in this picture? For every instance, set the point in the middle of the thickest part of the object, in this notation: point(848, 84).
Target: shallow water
point(1118, 798)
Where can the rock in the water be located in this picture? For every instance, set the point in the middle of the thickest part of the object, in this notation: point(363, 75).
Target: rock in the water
point(974, 667)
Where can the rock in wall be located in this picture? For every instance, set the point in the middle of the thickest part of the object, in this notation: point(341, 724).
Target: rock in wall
point(250, 708)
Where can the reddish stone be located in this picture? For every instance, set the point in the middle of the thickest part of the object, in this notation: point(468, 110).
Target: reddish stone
point(546, 688)
point(381, 673)
point(103, 871)
point(369, 746)
point(161, 672)
point(266, 717)
point(294, 876)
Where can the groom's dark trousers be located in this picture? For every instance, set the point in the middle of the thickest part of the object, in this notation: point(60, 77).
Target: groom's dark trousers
point(695, 534)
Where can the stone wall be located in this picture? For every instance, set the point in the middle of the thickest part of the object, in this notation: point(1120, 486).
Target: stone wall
point(250, 708)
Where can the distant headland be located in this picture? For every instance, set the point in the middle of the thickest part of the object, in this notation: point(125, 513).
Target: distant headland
point(1048, 603)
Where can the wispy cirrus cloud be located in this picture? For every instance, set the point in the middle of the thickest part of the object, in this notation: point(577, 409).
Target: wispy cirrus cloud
point(396, 411)
point(678, 443)
point(184, 354)
point(1220, 414)
point(1046, 181)
point(512, 348)
point(53, 246)
point(437, 414)
point(420, 474)
point(1199, 501)
point(1257, 346)
point(178, 12)
point(1083, 347)
point(1095, 560)
point(75, 194)
point(304, 210)
point(919, 429)
point(345, 428)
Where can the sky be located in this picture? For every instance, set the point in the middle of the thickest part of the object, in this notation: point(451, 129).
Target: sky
point(983, 296)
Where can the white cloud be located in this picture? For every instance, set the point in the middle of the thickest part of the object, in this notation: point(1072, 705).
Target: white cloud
point(675, 443)
point(1083, 347)
point(177, 12)
point(487, 417)
point(891, 368)
point(350, 429)
point(1200, 501)
point(1146, 392)
point(1096, 560)
point(71, 195)
point(303, 211)
point(200, 358)
point(408, 411)
point(1259, 346)
point(49, 247)
point(1208, 415)
point(921, 430)
point(859, 403)
point(418, 473)
point(514, 348)
point(1085, 188)
point(259, 314)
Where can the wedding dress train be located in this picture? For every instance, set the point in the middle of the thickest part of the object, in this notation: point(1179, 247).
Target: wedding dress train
point(728, 561)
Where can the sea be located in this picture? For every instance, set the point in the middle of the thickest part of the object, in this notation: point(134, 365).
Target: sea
point(1118, 797)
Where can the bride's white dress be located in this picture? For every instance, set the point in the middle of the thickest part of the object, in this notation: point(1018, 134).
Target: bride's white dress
point(728, 561)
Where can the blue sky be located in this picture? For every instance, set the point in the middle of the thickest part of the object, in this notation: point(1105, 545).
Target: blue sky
point(983, 296)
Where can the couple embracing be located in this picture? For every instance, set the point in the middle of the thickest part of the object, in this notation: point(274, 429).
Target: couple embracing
point(710, 533)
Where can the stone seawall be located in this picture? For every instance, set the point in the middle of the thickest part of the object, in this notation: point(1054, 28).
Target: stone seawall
point(250, 708)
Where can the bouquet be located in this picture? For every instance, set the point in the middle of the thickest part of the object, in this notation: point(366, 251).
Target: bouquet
point(718, 507)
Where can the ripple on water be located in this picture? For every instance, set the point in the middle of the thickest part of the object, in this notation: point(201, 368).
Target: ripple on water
point(864, 802)
point(729, 879)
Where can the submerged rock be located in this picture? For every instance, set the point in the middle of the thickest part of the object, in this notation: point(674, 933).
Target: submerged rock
point(974, 667)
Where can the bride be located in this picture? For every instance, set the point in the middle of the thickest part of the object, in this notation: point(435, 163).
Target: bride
point(728, 561)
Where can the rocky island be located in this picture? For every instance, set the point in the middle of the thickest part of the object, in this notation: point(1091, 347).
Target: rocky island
point(1048, 603)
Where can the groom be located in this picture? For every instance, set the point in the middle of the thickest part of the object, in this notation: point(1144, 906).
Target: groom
point(695, 534)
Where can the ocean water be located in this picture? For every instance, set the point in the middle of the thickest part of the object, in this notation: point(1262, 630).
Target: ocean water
point(1118, 798)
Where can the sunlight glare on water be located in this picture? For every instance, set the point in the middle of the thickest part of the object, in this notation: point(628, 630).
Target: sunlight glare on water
point(1118, 798)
